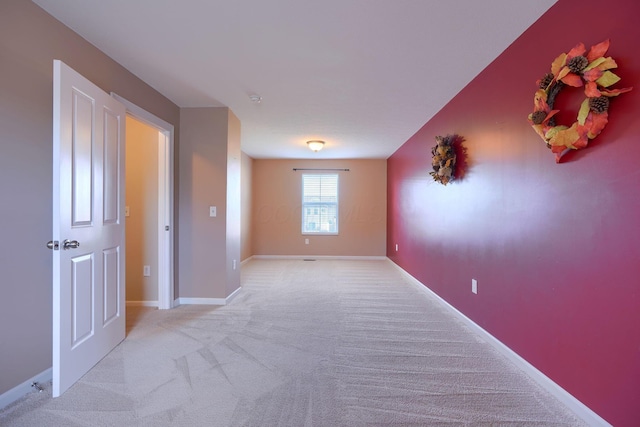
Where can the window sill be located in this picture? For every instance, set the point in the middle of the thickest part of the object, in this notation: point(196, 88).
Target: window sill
point(319, 234)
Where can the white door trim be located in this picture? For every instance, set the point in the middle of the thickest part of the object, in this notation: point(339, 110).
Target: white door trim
point(165, 199)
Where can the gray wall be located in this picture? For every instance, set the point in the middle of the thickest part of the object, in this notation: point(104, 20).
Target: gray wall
point(29, 41)
point(234, 204)
point(209, 176)
point(246, 170)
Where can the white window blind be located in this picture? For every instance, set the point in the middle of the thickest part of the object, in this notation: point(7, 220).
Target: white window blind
point(320, 204)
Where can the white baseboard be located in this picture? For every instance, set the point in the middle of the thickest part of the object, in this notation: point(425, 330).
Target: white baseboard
point(142, 303)
point(200, 301)
point(233, 295)
point(579, 408)
point(323, 257)
point(207, 301)
point(21, 390)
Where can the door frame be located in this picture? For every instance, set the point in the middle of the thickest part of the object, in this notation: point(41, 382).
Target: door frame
point(165, 199)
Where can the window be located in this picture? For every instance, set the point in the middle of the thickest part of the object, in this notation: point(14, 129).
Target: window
point(320, 204)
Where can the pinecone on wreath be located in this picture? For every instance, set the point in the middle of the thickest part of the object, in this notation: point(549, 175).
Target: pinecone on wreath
point(599, 104)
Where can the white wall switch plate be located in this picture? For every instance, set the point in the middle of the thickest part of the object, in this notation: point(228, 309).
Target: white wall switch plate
point(212, 211)
point(474, 286)
point(306, 241)
point(146, 271)
point(126, 211)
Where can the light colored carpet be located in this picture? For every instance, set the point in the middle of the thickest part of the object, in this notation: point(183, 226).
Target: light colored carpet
point(306, 343)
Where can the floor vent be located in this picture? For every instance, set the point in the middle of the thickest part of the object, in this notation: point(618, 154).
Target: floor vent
point(308, 259)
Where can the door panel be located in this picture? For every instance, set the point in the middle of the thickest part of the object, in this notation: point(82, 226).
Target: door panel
point(110, 285)
point(111, 164)
point(82, 299)
point(88, 207)
point(81, 155)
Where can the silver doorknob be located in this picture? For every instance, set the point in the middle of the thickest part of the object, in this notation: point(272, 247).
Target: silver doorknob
point(53, 245)
point(70, 244)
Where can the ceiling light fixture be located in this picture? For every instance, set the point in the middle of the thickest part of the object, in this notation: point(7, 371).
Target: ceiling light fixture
point(315, 145)
point(257, 99)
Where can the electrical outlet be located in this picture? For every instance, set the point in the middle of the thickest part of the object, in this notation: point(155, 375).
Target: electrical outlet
point(126, 211)
point(146, 271)
point(474, 286)
point(396, 247)
point(212, 211)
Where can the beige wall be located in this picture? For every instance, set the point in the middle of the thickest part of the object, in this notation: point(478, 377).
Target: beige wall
point(30, 40)
point(209, 170)
point(142, 201)
point(246, 213)
point(277, 209)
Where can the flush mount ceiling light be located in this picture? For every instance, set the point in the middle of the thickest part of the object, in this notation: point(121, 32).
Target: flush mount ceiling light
point(315, 145)
point(256, 99)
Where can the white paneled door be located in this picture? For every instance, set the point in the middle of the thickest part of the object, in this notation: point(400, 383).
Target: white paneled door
point(88, 226)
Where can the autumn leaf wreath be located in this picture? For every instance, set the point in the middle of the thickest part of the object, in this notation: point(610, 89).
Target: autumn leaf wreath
point(577, 68)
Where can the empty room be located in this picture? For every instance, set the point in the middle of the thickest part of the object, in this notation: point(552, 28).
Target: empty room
point(287, 213)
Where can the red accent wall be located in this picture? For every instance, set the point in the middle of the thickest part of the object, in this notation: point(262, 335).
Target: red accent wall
point(555, 247)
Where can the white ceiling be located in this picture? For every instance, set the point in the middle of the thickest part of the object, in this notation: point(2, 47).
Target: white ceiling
point(363, 75)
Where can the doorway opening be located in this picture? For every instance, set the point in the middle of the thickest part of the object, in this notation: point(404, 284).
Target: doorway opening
point(148, 209)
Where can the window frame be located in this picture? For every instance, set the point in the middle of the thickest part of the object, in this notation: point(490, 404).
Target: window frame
point(318, 206)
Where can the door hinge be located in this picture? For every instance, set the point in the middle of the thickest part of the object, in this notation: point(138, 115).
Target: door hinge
point(53, 245)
